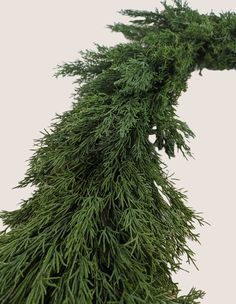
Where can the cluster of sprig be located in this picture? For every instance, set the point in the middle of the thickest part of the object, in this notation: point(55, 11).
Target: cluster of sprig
point(106, 223)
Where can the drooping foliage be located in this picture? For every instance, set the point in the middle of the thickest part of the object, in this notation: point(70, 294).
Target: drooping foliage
point(106, 224)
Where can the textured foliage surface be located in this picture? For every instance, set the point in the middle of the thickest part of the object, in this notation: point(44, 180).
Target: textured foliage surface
point(106, 223)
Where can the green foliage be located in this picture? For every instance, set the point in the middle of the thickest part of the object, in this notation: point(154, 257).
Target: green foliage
point(106, 224)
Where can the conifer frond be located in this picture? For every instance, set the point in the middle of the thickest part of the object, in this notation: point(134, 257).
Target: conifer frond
point(106, 223)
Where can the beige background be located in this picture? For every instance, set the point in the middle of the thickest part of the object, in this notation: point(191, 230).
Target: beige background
point(37, 35)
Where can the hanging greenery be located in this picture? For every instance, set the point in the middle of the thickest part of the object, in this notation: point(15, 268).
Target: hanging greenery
point(106, 224)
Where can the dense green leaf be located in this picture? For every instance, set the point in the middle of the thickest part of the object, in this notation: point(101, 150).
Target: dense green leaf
point(106, 224)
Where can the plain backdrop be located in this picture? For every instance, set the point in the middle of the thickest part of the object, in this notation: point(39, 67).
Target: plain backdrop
point(35, 36)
